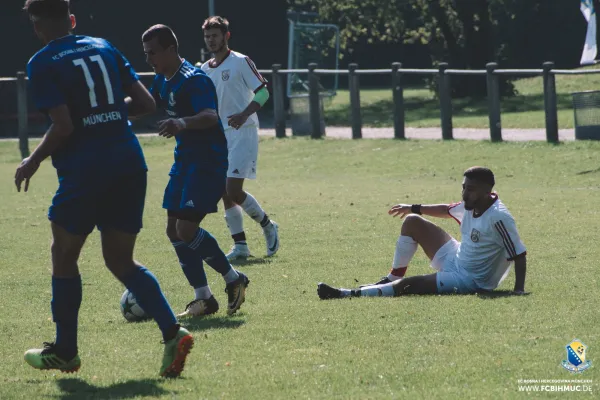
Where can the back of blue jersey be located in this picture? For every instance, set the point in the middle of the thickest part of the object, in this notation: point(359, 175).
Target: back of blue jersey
point(89, 76)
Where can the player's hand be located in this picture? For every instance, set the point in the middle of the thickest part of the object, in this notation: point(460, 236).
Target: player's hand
point(25, 171)
point(237, 120)
point(169, 127)
point(400, 210)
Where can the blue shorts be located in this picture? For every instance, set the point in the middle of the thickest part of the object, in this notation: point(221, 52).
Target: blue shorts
point(195, 189)
point(114, 204)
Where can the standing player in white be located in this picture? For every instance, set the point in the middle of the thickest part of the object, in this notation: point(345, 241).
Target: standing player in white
point(241, 92)
point(480, 262)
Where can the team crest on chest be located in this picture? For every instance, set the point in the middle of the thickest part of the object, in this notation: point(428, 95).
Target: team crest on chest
point(475, 235)
point(172, 99)
point(225, 75)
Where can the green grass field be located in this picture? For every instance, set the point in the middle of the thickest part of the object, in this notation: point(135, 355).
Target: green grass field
point(330, 198)
point(526, 110)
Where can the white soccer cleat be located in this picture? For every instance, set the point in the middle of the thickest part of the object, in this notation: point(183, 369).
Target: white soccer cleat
point(271, 232)
point(238, 252)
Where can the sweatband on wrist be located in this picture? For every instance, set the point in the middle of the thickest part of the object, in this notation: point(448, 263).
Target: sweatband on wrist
point(415, 209)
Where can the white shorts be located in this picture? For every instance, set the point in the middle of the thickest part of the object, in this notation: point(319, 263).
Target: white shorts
point(451, 277)
point(243, 152)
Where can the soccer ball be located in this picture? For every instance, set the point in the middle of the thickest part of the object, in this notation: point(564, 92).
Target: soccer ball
point(130, 308)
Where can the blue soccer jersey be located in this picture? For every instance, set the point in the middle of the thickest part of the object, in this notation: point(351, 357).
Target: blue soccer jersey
point(89, 76)
point(187, 93)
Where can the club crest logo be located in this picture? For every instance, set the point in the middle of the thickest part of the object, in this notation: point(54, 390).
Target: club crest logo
point(475, 235)
point(225, 75)
point(171, 100)
point(576, 362)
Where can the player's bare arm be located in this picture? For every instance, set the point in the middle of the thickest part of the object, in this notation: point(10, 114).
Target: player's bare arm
point(431, 210)
point(139, 101)
point(237, 120)
point(203, 120)
point(520, 272)
point(60, 129)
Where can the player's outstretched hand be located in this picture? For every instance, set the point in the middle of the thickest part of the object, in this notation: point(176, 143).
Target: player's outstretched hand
point(400, 210)
point(169, 127)
point(237, 120)
point(25, 171)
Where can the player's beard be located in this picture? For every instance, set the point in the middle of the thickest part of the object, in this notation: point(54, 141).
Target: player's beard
point(220, 48)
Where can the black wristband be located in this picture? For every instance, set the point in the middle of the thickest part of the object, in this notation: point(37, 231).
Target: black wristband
point(415, 209)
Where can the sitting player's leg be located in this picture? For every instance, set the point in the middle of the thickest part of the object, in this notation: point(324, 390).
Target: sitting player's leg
point(203, 245)
point(235, 223)
point(418, 284)
point(193, 269)
point(415, 231)
point(66, 300)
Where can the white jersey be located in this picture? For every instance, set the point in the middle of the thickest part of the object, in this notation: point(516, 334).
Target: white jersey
point(489, 243)
point(236, 80)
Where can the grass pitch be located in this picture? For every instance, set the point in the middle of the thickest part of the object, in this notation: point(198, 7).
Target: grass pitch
point(330, 198)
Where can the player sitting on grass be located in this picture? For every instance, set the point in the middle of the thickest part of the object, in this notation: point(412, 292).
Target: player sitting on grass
point(490, 241)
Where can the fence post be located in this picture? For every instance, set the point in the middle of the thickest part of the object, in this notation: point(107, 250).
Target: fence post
point(398, 96)
point(493, 94)
point(445, 102)
point(354, 87)
point(314, 106)
point(278, 104)
point(550, 103)
point(22, 114)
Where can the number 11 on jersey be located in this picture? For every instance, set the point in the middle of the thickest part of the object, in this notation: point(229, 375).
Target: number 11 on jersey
point(80, 62)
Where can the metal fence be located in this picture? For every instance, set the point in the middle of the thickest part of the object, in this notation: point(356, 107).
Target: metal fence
point(396, 72)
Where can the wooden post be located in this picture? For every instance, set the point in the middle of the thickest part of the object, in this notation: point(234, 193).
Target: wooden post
point(355, 101)
point(278, 102)
point(23, 114)
point(493, 93)
point(314, 102)
point(550, 103)
point(445, 102)
point(398, 96)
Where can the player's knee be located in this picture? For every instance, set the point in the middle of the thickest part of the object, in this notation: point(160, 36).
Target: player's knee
point(186, 232)
point(236, 194)
point(172, 233)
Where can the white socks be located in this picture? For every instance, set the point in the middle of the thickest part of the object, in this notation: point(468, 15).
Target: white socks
point(386, 290)
point(231, 276)
point(234, 219)
point(252, 208)
point(406, 247)
point(203, 293)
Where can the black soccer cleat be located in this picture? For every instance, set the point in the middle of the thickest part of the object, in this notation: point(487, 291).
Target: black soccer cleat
point(383, 281)
point(327, 292)
point(236, 293)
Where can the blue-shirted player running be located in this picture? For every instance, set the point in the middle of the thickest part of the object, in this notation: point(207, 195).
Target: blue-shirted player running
point(81, 83)
point(199, 173)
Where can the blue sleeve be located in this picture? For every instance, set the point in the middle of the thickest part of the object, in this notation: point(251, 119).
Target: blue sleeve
point(44, 86)
point(128, 74)
point(202, 93)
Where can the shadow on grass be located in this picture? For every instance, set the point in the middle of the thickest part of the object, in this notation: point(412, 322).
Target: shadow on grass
point(75, 388)
point(252, 261)
point(499, 294)
point(379, 112)
point(589, 171)
point(206, 323)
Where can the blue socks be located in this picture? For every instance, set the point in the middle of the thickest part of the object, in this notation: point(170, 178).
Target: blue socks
point(206, 246)
point(191, 264)
point(66, 300)
point(144, 286)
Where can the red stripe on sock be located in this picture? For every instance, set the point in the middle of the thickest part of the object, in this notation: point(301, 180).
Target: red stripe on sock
point(399, 272)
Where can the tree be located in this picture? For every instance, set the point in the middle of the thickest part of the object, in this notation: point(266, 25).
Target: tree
point(461, 32)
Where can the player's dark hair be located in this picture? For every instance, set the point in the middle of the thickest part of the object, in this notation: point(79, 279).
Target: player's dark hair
point(47, 9)
point(166, 36)
point(480, 174)
point(216, 22)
